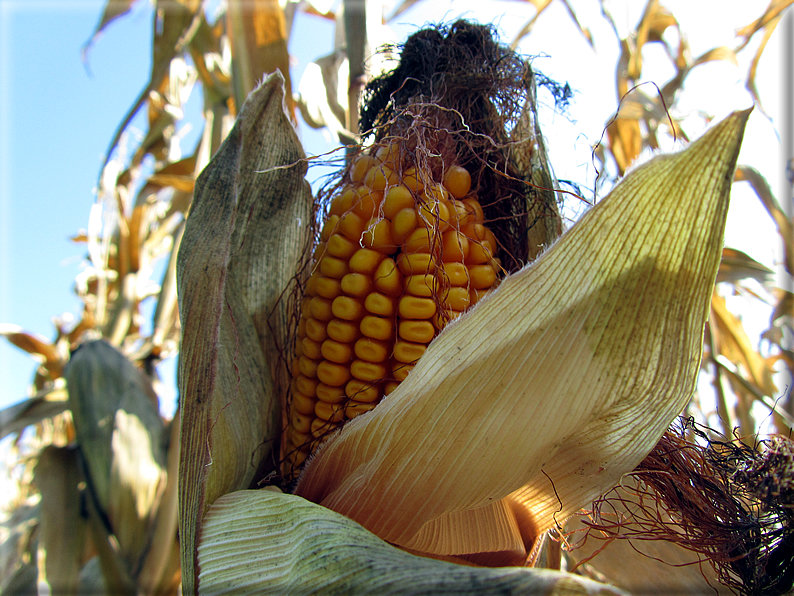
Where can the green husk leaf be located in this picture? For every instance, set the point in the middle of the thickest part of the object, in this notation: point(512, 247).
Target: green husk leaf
point(247, 229)
point(265, 542)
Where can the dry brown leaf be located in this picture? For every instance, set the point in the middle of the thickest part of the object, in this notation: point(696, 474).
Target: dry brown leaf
point(574, 367)
point(625, 141)
point(246, 233)
point(784, 225)
point(735, 345)
point(113, 10)
point(736, 265)
point(719, 53)
point(45, 404)
point(42, 350)
point(257, 30)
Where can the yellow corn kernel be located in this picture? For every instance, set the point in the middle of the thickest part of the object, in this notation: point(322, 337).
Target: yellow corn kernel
point(434, 215)
point(302, 328)
point(377, 327)
point(422, 240)
point(408, 352)
point(301, 422)
point(351, 226)
point(389, 154)
point(303, 404)
point(379, 304)
point(456, 298)
point(335, 351)
point(368, 371)
point(454, 246)
point(330, 412)
point(327, 287)
point(454, 274)
point(416, 331)
point(355, 408)
point(306, 306)
point(482, 276)
point(457, 181)
point(390, 386)
point(476, 295)
point(356, 284)
point(396, 199)
point(329, 227)
point(347, 308)
point(377, 236)
point(331, 373)
point(306, 385)
point(403, 224)
point(320, 427)
point(311, 349)
point(362, 391)
point(321, 309)
point(380, 176)
point(343, 331)
point(475, 210)
point(388, 279)
point(479, 253)
point(361, 166)
point(307, 367)
point(372, 350)
point(401, 370)
point(366, 261)
point(315, 329)
point(331, 394)
point(412, 180)
point(334, 267)
point(367, 202)
point(424, 285)
point(414, 264)
point(340, 247)
point(413, 307)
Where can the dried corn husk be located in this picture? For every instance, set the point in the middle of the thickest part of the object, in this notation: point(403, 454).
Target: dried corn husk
point(547, 392)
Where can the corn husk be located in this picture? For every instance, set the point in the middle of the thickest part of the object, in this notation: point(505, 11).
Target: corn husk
point(263, 542)
point(546, 393)
point(121, 436)
point(246, 232)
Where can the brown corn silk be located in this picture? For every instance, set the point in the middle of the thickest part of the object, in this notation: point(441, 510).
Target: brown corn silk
point(421, 225)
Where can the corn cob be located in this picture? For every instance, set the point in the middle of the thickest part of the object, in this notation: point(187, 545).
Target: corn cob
point(400, 255)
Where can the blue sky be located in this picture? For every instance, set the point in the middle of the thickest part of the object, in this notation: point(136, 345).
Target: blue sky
point(58, 114)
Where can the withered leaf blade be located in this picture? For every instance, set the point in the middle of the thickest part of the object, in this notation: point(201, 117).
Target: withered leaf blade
point(541, 397)
point(247, 229)
point(263, 542)
point(120, 433)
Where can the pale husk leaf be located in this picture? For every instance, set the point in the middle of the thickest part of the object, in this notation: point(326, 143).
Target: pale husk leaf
point(245, 234)
point(560, 382)
point(263, 542)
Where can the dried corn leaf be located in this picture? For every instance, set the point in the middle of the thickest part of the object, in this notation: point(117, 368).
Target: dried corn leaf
point(764, 192)
point(735, 345)
point(574, 367)
point(258, 34)
point(38, 347)
point(246, 232)
point(45, 404)
point(61, 524)
point(113, 10)
point(719, 53)
point(736, 265)
point(263, 542)
point(120, 434)
point(625, 141)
